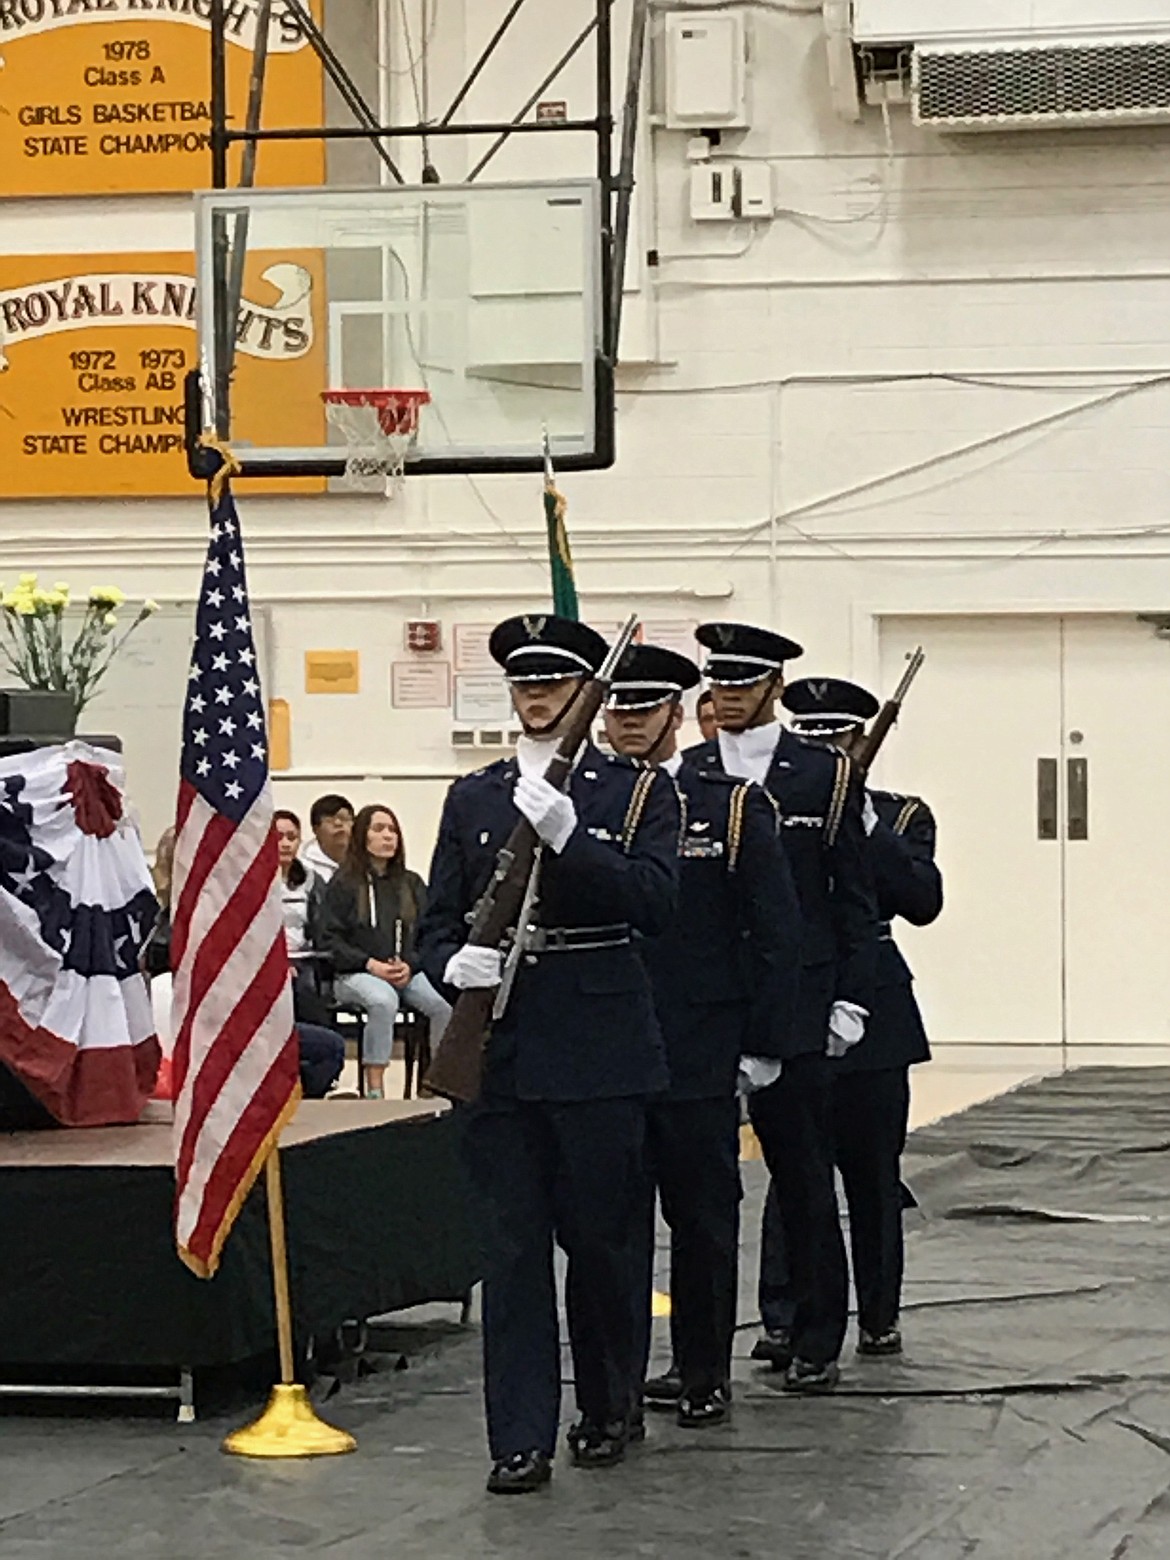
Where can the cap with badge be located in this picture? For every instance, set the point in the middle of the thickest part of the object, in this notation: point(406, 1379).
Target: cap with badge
point(741, 654)
point(649, 676)
point(827, 706)
point(545, 648)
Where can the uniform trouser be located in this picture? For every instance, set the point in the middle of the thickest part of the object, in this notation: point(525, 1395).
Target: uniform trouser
point(573, 1173)
point(871, 1111)
point(775, 1287)
point(794, 1123)
point(693, 1155)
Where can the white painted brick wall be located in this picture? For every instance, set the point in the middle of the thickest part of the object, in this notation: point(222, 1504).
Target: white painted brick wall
point(1036, 260)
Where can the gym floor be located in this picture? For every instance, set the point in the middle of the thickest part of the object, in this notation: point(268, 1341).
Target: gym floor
point(1029, 1418)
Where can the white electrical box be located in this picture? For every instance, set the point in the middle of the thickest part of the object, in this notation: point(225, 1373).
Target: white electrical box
point(713, 192)
point(752, 197)
point(706, 70)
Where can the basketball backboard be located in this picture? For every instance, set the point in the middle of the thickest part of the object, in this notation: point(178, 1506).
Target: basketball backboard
point(486, 296)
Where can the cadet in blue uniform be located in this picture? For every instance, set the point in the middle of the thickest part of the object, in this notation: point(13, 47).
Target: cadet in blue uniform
point(871, 1090)
point(555, 1145)
point(820, 808)
point(725, 982)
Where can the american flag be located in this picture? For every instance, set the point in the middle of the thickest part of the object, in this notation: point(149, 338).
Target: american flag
point(235, 1061)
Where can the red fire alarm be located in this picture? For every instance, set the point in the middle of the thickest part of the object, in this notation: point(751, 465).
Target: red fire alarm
point(424, 635)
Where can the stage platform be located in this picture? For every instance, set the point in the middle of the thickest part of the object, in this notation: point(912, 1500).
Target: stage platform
point(91, 1282)
point(1029, 1419)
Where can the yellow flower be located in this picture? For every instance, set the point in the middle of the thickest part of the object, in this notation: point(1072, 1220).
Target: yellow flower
point(29, 581)
point(56, 600)
point(24, 606)
point(61, 589)
point(149, 606)
point(106, 596)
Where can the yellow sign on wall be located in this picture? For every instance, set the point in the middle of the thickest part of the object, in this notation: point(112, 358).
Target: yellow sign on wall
point(94, 349)
point(113, 96)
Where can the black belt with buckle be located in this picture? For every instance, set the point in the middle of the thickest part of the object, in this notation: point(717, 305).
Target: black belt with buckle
point(576, 939)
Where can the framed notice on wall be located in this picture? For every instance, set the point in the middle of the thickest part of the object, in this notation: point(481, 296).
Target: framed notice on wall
point(94, 349)
point(113, 96)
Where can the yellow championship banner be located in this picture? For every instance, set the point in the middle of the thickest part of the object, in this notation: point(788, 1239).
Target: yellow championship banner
point(112, 97)
point(93, 352)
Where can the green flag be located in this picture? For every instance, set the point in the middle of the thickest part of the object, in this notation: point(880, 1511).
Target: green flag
point(564, 587)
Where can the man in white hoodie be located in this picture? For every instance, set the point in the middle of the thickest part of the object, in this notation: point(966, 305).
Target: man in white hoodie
point(331, 819)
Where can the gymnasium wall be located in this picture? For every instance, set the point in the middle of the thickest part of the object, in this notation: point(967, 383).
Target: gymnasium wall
point(929, 384)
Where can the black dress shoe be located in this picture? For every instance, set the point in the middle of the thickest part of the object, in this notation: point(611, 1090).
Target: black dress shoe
point(598, 1446)
point(663, 1391)
point(774, 1349)
point(806, 1376)
point(696, 1412)
point(888, 1342)
point(519, 1474)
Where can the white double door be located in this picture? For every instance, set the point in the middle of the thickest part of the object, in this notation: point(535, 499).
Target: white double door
point(1043, 746)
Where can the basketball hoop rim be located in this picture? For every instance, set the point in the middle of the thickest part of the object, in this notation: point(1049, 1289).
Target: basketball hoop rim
point(397, 410)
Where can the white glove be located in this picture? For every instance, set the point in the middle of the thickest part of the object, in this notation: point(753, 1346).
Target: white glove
point(846, 1028)
point(869, 815)
point(473, 969)
point(550, 812)
point(756, 1073)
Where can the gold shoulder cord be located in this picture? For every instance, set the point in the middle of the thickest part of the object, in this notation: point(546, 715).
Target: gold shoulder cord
point(902, 821)
point(637, 806)
point(837, 805)
point(735, 826)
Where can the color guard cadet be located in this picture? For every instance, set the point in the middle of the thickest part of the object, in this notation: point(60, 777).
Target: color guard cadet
point(820, 808)
point(872, 1085)
point(725, 980)
point(555, 1145)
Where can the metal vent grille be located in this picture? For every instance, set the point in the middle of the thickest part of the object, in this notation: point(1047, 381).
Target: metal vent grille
point(998, 88)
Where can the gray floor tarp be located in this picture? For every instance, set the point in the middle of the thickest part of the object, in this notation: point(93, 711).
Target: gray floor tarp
point(1029, 1419)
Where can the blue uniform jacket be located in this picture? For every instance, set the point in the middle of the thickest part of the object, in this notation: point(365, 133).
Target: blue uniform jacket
point(580, 1024)
point(909, 885)
point(726, 973)
point(824, 840)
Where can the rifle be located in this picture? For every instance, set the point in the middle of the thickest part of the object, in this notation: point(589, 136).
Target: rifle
point(457, 1070)
point(868, 748)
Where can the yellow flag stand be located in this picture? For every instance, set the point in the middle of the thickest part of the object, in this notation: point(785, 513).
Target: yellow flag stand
point(289, 1426)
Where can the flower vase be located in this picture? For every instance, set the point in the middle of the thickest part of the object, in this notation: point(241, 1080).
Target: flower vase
point(38, 715)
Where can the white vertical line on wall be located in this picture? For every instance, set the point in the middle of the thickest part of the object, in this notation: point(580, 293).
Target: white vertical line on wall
point(384, 103)
point(775, 500)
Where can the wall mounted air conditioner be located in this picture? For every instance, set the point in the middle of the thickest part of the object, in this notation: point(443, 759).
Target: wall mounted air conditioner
point(1016, 64)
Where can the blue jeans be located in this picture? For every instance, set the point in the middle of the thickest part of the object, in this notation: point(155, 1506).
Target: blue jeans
point(381, 1002)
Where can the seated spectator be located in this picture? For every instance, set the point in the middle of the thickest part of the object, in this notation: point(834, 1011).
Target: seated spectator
point(331, 820)
point(321, 1050)
point(369, 913)
point(300, 884)
point(155, 958)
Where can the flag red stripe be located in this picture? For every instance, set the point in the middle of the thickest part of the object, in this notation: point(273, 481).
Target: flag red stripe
point(244, 904)
point(256, 1002)
point(212, 844)
point(238, 1154)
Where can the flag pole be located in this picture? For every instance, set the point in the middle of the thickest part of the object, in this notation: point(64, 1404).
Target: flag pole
point(278, 1238)
point(289, 1426)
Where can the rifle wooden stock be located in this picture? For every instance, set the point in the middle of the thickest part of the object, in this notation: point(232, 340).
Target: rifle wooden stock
point(456, 1072)
point(867, 750)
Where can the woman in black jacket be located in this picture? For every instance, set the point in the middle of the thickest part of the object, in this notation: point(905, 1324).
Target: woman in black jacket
point(369, 913)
